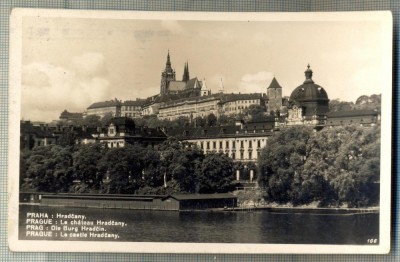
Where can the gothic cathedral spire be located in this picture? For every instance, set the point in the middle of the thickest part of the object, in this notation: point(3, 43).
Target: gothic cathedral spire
point(186, 76)
point(166, 76)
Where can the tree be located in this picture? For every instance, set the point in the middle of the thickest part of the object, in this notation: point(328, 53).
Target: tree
point(256, 113)
point(216, 174)
point(358, 166)
point(281, 160)
point(226, 120)
point(106, 119)
point(85, 165)
point(372, 102)
point(181, 163)
point(122, 167)
point(89, 121)
point(67, 138)
point(333, 166)
point(212, 120)
point(336, 105)
point(199, 122)
point(49, 168)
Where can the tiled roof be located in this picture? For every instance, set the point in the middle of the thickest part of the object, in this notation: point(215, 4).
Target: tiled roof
point(274, 84)
point(176, 85)
point(111, 103)
point(191, 84)
point(138, 102)
point(350, 113)
point(249, 129)
point(235, 97)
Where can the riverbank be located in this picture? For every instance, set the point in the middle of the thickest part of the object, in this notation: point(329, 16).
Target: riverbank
point(311, 210)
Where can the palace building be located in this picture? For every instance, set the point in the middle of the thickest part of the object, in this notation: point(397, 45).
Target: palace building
point(101, 109)
point(242, 142)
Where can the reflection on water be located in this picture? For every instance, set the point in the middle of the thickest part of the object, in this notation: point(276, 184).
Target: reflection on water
point(227, 227)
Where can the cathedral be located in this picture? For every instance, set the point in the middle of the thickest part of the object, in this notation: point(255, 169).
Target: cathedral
point(187, 87)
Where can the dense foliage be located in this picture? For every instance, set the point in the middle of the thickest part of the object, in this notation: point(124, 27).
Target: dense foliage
point(372, 102)
point(171, 167)
point(334, 166)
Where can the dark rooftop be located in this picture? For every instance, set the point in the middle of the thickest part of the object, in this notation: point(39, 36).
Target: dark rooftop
point(202, 196)
point(274, 84)
point(111, 103)
point(350, 113)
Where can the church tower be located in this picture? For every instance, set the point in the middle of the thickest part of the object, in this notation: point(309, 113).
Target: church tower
point(204, 90)
point(186, 76)
point(274, 92)
point(221, 87)
point(166, 76)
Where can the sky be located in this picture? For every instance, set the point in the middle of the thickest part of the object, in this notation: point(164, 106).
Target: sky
point(70, 63)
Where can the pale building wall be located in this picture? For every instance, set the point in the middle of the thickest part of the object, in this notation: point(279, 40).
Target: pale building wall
point(238, 148)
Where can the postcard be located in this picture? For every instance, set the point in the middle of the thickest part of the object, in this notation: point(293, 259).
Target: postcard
point(187, 132)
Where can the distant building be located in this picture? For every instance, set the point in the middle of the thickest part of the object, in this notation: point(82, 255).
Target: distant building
point(274, 97)
point(242, 142)
point(189, 87)
point(189, 107)
point(32, 135)
point(68, 116)
point(122, 131)
point(234, 104)
point(132, 109)
point(101, 109)
point(353, 117)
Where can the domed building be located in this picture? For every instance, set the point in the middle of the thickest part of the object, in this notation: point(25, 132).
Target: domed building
point(308, 103)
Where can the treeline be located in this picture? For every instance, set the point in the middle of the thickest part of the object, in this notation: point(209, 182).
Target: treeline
point(372, 102)
point(171, 167)
point(332, 167)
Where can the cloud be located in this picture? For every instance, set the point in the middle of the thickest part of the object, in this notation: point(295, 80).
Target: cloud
point(173, 26)
point(89, 64)
point(255, 83)
point(48, 89)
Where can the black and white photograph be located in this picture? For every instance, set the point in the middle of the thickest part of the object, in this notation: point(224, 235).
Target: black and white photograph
point(194, 132)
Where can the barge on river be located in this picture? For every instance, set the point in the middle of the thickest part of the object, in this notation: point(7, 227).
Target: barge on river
point(178, 202)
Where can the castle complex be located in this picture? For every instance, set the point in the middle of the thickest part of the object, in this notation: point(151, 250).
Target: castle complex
point(190, 97)
point(307, 105)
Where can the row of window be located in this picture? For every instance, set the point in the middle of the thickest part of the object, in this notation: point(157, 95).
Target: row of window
point(241, 155)
point(213, 144)
point(236, 108)
point(246, 101)
point(131, 108)
point(115, 144)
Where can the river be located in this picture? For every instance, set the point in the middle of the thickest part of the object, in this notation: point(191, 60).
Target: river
point(212, 227)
